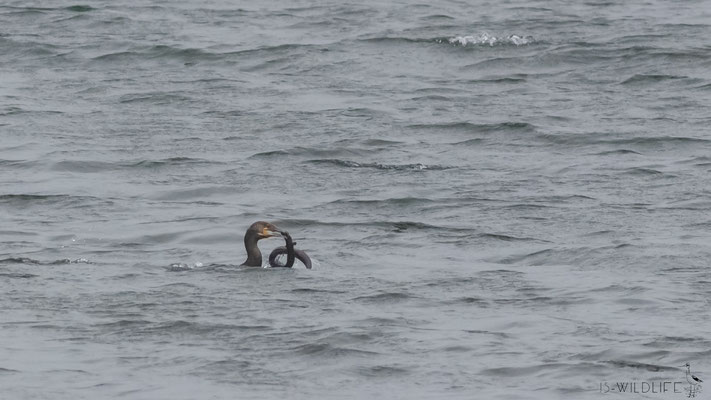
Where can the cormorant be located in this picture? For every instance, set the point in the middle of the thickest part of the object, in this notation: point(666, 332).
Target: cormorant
point(263, 230)
point(259, 230)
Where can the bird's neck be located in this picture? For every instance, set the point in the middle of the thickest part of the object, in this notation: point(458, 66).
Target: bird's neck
point(254, 256)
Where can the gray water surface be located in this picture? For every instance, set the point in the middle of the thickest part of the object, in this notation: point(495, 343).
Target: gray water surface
point(503, 200)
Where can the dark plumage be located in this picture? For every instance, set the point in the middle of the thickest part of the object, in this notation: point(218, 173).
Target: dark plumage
point(259, 230)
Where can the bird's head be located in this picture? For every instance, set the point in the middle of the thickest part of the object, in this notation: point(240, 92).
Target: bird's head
point(263, 230)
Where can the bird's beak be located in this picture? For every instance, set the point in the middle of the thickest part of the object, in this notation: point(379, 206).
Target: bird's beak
point(267, 233)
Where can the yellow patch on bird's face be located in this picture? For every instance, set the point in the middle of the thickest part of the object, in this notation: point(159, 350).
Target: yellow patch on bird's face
point(266, 232)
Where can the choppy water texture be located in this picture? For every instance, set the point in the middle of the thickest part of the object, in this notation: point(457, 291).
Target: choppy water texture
point(503, 200)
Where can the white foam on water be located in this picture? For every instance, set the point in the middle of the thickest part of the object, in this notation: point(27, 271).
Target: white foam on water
point(485, 38)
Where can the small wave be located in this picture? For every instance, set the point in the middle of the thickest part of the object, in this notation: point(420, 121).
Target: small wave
point(17, 275)
point(674, 341)
point(31, 261)
point(380, 142)
point(701, 161)
point(28, 11)
point(641, 171)
point(74, 8)
point(467, 300)
point(640, 79)
point(17, 164)
point(313, 291)
point(327, 350)
point(536, 256)
point(12, 111)
point(80, 8)
point(194, 193)
point(17, 233)
point(511, 372)
point(169, 162)
point(636, 365)
point(396, 167)
point(273, 153)
point(56, 200)
point(154, 98)
point(29, 48)
point(584, 255)
point(397, 226)
point(469, 142)
point(507, 238)
point(437, 17)
point(179, 327)
point(88, 166)
point(382, 371)
point(514, 79)
point(395, 201)
point(306, 151)
point(31, 197)
point(188, 56)
point(396, 39)
point(491, 40)
point(388, 297)
point(125, 323)
point(509, 126)
point(83, 166)
point(431, 97)
point(160, 52)
point(617, 152)
point(647, 142)
point(18, 260)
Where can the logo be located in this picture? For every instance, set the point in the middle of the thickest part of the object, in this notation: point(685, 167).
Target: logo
point(690, 388)
point(694, 382)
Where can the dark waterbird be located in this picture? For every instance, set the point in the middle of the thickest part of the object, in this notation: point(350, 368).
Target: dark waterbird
point(263, 230)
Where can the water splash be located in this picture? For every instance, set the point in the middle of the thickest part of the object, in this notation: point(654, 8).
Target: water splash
point(31, 261)
point(485, 38)
point(177, 267)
